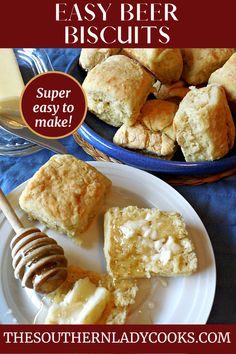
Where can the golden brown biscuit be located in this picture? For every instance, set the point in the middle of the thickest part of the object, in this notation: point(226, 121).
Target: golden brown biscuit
point(226, 77)
point(141, 242)
point(65, 194)
point(200, 63)
point(117, 89)
point(204, 125)
point(153, 133)
point(165, 63)
point(169, 91)
point(90, 57)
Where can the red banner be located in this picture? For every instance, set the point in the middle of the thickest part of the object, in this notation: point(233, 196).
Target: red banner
point(185, 339)
point(120, 23)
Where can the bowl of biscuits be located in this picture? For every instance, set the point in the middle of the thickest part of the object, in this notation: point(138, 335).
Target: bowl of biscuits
point(165, 110)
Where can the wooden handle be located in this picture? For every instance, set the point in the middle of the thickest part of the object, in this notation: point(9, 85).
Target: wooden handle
point(9, 213)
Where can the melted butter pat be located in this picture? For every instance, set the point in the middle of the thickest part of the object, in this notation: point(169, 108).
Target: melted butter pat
point(166, 250)
point(139, 227)
point(83, 304)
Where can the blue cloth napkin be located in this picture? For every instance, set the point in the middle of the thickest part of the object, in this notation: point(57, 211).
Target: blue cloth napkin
point(215, 203)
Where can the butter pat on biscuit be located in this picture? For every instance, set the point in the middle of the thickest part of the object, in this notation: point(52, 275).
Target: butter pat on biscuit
point(90, 297)
point(145, 242)
point(83, 304)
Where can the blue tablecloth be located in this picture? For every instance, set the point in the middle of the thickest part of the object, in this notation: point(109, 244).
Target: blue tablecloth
point(215, 203)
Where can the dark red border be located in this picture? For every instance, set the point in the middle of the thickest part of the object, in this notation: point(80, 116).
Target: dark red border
point(139, 347)
point(202, 23)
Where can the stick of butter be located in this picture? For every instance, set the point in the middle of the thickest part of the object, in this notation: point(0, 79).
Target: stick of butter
point(11, 84)
point(83, 304)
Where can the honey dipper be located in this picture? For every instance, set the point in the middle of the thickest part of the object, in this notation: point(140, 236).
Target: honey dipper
point(38, 260)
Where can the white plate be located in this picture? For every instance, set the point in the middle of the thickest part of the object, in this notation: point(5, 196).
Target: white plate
point(185, 300)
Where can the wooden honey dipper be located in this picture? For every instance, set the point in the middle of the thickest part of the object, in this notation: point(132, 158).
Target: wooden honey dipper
point(38, 260)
